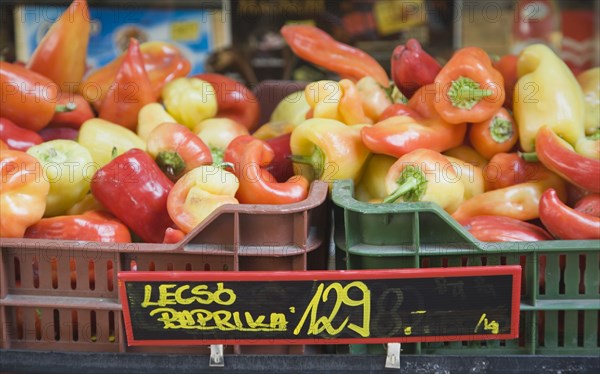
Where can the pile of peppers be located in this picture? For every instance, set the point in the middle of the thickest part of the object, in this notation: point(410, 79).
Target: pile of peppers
point(509, 146)
point(140, 150)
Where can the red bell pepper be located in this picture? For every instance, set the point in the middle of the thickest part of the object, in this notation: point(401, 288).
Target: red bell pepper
point(589, 204)
point(163, 63)
point(399, 135)
point(61, 54)
point(130, 91)
point(495, 135)
point(75, 118)
point(560, 157)
point(509, 169)
point(93, 226)
point(504, 229)
point(28, 98)
point(52, 133)
point(507, 66)
point(177, 149)
point(412, 67)
point(16, 137)
point(234, 100)
point(135, 190)
point(468, 88)
point(282, 167)
point(564, 222)
point(317, 47)
point(249, 157)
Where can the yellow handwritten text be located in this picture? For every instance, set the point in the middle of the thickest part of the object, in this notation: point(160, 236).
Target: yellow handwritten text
point(492, 325)
point(170, 294)
point(223, 320)
point(323, 323)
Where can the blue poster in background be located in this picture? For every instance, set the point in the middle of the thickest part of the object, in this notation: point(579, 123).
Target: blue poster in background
point(193, 31)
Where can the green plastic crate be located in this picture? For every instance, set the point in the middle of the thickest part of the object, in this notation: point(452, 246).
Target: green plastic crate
point(560, 296)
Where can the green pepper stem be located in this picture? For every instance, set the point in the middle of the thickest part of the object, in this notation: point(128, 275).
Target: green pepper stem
point(316, 160)
point(68, 107)
point(217, 156)
point(170, 163)
point(529, 156)
point(501, 130)
point(412, 185)
point(465, 93)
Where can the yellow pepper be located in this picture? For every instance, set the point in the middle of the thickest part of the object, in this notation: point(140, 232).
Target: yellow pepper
point(371, 187)
point(328, 150)
point(547, 93)
point(200, 192)
point(69, 168)
point(289, 113)
point(106, 140)
point(292, 109)
point(190, 100)
point(467, 154)
point(340, 101)
point(88, 203)
point(150, 116)
point(470, 176)
point(589, 81)
point(219, 132)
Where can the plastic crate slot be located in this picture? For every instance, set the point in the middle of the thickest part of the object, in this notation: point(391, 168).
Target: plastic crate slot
point(35, 267)
point(561, 328)
point(93, 331)
point(541, 327)
point(111, 327)
point(38, 323)
point(562, 267)
point(110, 273)
point(503, 260)
point(54, 270)
point(73, 270)
point(524, 276)
point(75, 324)
point(225, 267)
point(17, 265)
point(206, 267)
point(188, 267)
point(542, 275)
point(483, 261)
point(169, 266)
point(92, 275)
point(19, 322)
point(580, 328)
point(582, 267)
point(56, 323)
point(151, 266)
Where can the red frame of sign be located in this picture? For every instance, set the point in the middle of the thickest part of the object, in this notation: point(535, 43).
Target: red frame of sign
point(212, 276)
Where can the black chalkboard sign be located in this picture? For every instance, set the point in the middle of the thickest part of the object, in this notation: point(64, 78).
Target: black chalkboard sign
point(335, 307)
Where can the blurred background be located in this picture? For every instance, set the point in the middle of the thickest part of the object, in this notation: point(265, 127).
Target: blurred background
point(241, 38)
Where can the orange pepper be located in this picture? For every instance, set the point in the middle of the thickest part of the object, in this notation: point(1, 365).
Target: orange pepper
point(399, 135)
point(316, 46)
point(495, 135)
point(468, 88)
point(61, 55)
point(163, 63)
point(23, 192)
